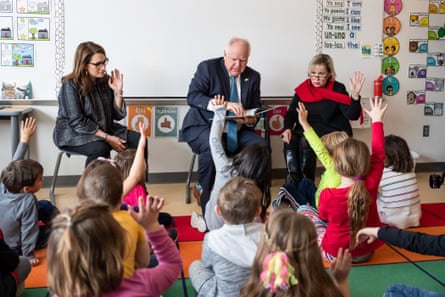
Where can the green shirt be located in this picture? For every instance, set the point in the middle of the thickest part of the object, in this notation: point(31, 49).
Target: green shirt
point(330, 178)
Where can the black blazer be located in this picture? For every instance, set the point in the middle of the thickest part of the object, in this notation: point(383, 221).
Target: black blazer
point(211, 78)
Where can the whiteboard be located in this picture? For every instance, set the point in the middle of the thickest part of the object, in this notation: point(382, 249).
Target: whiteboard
point(158, 44)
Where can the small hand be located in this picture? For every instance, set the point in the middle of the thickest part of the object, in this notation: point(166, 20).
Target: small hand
point(356, 83)
point(302, 116)
point(149, 208)
point(377, 109)
point(28, 128)
point(341, 265)
point(369, 234)
point(34, 262)
point(143, 137)
point(286, 136)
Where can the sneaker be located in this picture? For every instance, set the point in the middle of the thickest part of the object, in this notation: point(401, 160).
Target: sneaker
point(197, 222)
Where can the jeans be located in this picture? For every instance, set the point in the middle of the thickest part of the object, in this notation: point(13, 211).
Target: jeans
point(397, 290)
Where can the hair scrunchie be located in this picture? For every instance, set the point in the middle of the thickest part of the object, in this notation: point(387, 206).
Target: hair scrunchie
point(277, 273)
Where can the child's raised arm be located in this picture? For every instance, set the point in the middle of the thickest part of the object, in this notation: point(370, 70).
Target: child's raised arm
point(28, 128)
point(302, 116)
point(377, 109)
point(138, 167)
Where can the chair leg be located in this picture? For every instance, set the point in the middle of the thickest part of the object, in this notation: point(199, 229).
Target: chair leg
point(55, 174)
point(189, 179)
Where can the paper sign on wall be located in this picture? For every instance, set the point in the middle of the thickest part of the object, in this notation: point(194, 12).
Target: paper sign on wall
point(166, 121)
point(138, 113)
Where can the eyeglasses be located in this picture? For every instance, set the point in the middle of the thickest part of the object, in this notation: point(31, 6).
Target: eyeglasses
point(318, 75)
point(100, 63)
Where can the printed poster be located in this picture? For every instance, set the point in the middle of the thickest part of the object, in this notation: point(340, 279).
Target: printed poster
point(276, 120)
point(166, 121)
point(139, 113)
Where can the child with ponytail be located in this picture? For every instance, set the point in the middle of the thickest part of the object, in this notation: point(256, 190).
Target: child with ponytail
point(288, 262)
point(344, 210)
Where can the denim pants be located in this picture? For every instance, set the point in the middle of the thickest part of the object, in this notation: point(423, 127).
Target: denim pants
point(397, 290)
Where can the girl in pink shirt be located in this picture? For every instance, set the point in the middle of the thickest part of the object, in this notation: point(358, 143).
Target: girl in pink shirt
point(86, 250)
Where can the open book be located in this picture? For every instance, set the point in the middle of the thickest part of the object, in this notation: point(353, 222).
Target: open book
point(253, 112)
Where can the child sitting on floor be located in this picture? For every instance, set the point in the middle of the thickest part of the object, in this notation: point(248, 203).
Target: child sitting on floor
point(21, 211)
point(102, 181)
point(323, 148)
point(13, 270)
point(228, 252)
point(398, 202)
point(288, 262)
point(134, 172)
point(86, 253)
point(343, 210)
point(253, 162)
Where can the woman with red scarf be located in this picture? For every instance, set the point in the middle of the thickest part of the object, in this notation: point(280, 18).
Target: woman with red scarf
point(330, 109)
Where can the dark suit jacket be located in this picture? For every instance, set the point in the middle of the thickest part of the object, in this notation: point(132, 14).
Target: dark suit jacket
point(210, 79)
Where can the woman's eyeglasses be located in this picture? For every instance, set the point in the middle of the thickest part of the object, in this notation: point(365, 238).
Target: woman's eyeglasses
point(100, 63)
point(318, 75)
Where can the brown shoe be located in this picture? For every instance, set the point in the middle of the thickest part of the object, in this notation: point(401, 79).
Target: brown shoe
point(197, 193)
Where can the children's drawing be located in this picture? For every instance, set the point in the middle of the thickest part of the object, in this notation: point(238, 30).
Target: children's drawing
point(6, 29)
point(418, 45)
point(33, 29)
point(17, 54)
point(33, 7)
point(5, 6)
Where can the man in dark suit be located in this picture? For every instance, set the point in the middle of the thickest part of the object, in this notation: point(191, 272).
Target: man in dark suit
point(212, 79)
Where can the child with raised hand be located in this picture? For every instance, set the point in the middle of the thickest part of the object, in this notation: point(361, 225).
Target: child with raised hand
point(87, 246)
point(398, 202)
point(288, 262)
point(253, 162)
point(228, 252)
point(323, 147)
point(21, 211)
point(102, 180)
point(342, 211)
point(134, 172)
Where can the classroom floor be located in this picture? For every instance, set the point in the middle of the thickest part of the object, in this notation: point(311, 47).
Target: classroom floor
point(174, 195)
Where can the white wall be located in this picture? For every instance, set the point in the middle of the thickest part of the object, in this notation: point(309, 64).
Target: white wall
point(167, 155)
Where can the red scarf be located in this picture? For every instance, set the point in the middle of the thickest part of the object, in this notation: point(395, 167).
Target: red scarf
point(308, 93)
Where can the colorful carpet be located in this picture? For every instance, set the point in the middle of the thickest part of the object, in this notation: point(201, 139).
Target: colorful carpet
point(185, 231)
point(190, 245)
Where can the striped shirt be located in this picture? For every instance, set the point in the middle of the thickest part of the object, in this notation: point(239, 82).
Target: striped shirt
point(398, 200)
